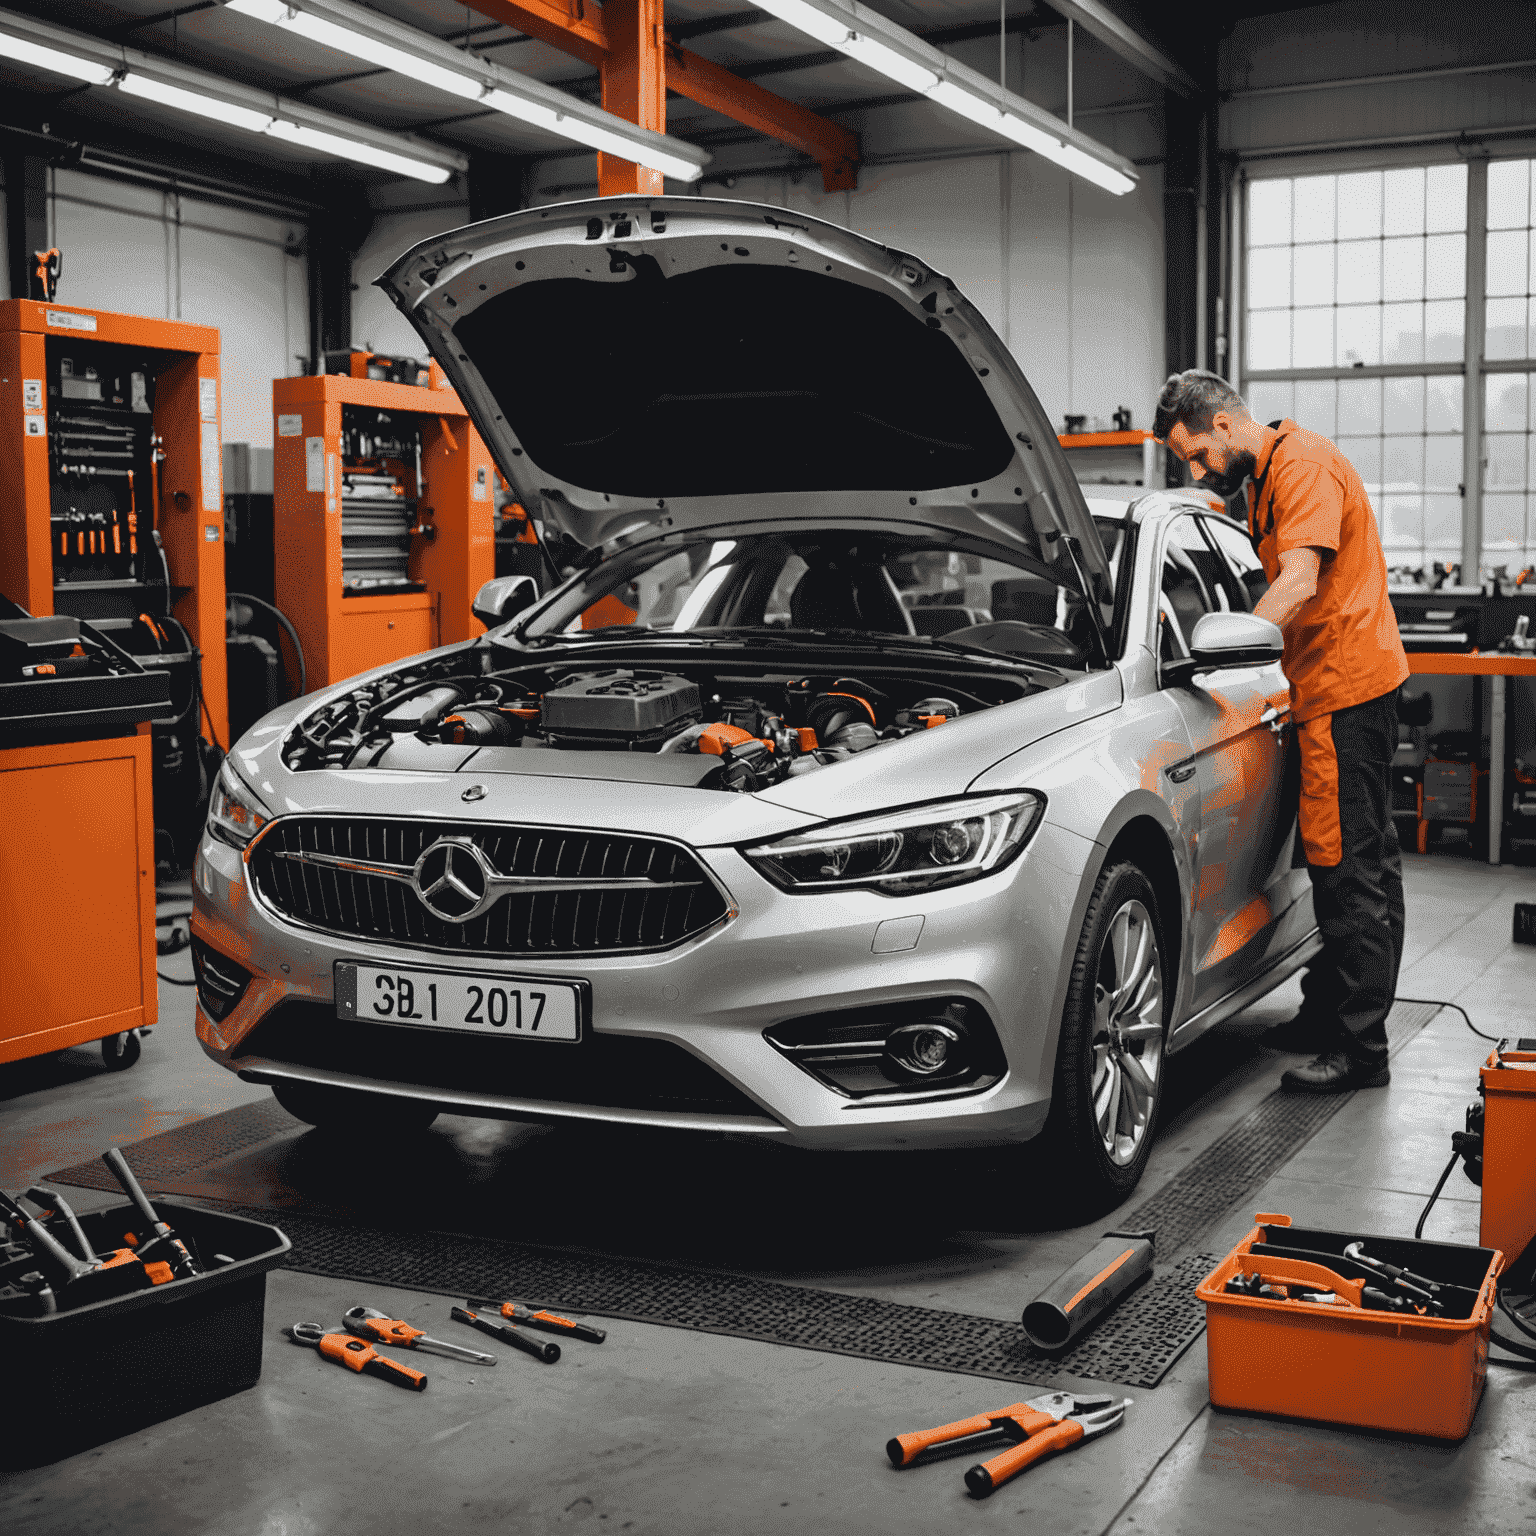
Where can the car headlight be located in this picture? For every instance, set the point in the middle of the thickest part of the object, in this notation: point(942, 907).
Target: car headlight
point(901, 852)
point(235, 815)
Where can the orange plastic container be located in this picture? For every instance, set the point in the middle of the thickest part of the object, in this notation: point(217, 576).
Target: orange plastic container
point(1371, 1370)
point(1509, 1151)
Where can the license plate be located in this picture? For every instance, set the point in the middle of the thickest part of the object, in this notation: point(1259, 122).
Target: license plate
point(516, 1007)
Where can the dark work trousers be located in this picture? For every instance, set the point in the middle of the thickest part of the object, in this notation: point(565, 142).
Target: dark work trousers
point(1357, 874)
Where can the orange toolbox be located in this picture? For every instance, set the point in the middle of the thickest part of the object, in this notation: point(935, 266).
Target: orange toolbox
point(1509, 1148)
point(1417, 1374)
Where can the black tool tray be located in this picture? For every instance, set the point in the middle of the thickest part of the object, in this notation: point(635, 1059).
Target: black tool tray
point(84, 1375)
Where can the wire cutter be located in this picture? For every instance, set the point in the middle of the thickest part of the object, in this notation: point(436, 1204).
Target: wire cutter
point(356, 1355)
point(1031, 1431)
point(381, 1328)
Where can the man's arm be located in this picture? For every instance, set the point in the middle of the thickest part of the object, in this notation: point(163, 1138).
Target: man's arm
point(1294, 588)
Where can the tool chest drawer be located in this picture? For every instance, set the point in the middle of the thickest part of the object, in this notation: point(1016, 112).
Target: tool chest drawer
point(1393, 1370)
point(89, 1374)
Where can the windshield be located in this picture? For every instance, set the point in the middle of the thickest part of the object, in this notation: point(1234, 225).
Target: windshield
point(817, 580)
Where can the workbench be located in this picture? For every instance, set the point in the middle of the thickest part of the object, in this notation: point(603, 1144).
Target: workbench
point(1495, 666)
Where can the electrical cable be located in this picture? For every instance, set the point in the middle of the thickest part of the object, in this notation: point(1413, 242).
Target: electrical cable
point(197, 665)
point(283, 619)
point(1434, 1002)
point(1418, 1231)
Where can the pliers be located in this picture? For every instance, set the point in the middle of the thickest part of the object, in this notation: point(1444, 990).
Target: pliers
point(1031, 1431)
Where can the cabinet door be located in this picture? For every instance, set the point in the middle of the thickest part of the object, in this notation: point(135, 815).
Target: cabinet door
point(71, 930)
point(371, 639)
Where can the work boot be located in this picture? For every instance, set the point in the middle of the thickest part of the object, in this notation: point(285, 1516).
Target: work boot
point(1335, 1072)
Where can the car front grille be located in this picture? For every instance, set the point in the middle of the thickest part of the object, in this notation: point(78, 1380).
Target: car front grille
point(602, 1071)
point(299, 867)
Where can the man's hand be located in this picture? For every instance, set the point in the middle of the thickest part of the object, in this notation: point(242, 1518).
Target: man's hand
point(1294, 588)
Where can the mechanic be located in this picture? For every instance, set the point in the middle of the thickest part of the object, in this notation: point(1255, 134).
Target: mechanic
point(1313, 528)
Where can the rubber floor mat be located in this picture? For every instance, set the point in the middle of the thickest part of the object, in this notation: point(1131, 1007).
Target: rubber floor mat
point(1135, 1345)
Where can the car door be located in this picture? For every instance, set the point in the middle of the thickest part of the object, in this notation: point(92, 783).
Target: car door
point(1234, 717)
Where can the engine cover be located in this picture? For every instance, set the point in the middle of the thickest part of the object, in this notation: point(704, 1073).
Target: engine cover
point(618, 708)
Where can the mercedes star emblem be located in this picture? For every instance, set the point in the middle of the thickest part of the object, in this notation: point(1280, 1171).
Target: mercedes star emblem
point(454, 880)
point(474, 792)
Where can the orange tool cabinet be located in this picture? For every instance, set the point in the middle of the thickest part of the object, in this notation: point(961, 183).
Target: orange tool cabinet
point(76, 864)
point(87, 477)
point(383, 518)
point(1509, 1151)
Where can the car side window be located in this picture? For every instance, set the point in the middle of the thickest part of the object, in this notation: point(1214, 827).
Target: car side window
point(1187, 595)
point(1233, 543)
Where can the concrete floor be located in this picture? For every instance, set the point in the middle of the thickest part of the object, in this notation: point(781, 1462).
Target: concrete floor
point(667, 1431)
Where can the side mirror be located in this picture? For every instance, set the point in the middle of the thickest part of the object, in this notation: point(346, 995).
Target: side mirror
point(1227, 640)
point(503, 598)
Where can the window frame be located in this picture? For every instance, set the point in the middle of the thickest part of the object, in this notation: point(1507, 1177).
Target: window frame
point(1474, 368)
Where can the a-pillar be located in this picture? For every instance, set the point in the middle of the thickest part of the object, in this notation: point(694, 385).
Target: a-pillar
point(634, 78)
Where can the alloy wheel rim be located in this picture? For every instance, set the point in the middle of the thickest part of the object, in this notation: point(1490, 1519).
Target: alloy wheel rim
point(1127, 1033)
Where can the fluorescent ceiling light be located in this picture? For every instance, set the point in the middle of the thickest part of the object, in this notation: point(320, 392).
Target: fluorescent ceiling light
point(899, 55)
point(132, 77)
point(191, 101)
point(886, 61)
point(353, 149)
point(20, 51)
point(466, 75)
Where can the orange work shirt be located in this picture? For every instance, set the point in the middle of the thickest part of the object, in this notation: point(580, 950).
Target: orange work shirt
point(1343, 648)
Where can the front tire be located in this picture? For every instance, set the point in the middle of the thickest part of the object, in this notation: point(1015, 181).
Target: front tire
point(1110, 1057)
point(348, 1110)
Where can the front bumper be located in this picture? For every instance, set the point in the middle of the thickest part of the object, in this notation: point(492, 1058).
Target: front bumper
point(1002, 943)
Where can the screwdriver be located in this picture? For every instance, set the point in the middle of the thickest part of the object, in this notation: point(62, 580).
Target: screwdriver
point(381, 1328)
point(549, 1322)
point(548, 1353)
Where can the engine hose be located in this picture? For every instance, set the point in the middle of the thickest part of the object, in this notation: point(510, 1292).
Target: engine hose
point(293, 634)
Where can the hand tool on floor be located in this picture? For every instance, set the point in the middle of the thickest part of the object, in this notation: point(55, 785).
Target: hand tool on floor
point(1031, 1431)
point(1088, 1289)
point(381, 1328)
point(550, 1322)
point(164, 1246)
point(548, 1353)
point(356, 1355)
point(53, 1203)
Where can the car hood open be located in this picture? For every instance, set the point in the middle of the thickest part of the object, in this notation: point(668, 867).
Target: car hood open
point(647, 365)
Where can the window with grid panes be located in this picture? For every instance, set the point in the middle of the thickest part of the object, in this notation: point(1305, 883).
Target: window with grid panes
point(1354, 283)
point(1509, 350)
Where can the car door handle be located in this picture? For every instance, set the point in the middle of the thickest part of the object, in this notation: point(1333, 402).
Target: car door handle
point(1182, 774)
point(1278, 720)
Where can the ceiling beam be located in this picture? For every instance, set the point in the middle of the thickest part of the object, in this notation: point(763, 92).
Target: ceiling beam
point(577, 27)
point(1099, 21)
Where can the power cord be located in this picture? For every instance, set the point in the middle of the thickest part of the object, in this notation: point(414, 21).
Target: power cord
point(283, 619)
point(1434, 1002)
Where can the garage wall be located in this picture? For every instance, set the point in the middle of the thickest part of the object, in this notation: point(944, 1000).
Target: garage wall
point(142, 251)
point(376, 324)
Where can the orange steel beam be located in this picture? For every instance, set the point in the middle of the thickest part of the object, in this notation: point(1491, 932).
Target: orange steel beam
point(574, 26)
point(634, 87)
point(711, 86)
point(582, 28)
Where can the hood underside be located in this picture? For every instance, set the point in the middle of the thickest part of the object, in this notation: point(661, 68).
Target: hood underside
point(647, 365)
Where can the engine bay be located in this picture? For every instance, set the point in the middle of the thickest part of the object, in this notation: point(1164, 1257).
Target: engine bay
point(735, 728)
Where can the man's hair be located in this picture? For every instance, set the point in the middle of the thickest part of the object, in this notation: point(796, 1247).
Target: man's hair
point(1193, 398)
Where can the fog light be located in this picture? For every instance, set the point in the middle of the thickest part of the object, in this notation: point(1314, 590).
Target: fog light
point(924, 1049)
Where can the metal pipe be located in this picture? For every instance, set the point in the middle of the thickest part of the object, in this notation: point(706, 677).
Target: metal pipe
point(1397, 77)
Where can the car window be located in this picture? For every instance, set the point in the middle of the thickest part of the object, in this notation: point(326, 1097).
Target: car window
point(814, 579)
point(1187, 595)
point(1232, 541)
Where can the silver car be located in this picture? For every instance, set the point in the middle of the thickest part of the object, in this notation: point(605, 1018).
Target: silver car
point(862, 787)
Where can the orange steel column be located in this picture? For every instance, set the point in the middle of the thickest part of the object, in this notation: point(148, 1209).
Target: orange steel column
point(26, 552)
point(634, 78)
